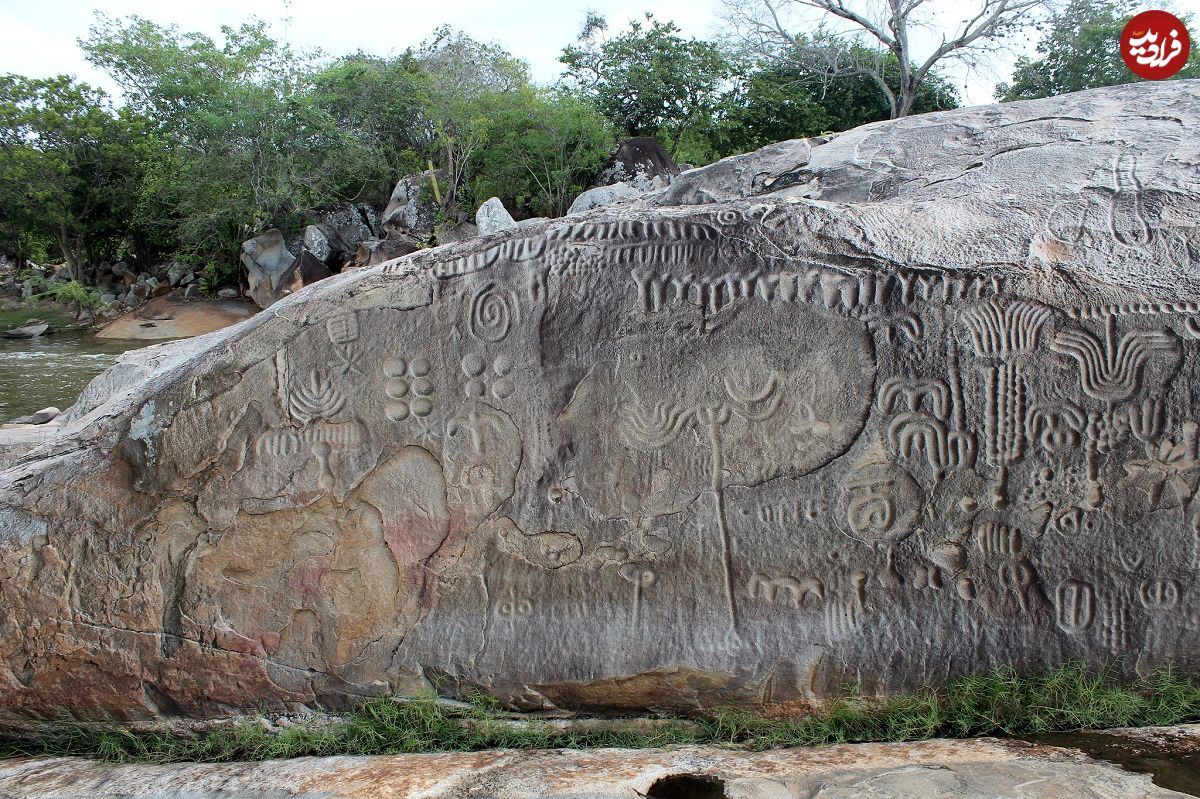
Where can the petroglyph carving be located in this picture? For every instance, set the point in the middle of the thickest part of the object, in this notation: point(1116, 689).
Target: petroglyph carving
point(409, 386)
point(662, 424)
point(998, 539)
point(1001, 331)
point(1019, 577)
point(500, 381)
point(319, 399)
point(843, 619)
point(791, 589)
point(342, 330)
point(288, 442)
point(1075, 605)
point(793, 513)
point(493, 312)
point(919, 432)
point(1110, 370)
point(1115, 622)
point(1160, 594)
point(881, 503)
point(912, 394)
point(1146, 421)
point(1057, 427)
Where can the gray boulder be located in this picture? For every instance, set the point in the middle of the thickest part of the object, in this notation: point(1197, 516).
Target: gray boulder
point(640, 163)
point(934, 416)
point(601, 196)
point(39, 417)
point(335, 233)
point(268, 265)
point(493, 217)
point(178, 274)
point(412, 209)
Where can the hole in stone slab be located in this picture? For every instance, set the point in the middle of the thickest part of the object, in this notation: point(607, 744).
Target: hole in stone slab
point(687, 786)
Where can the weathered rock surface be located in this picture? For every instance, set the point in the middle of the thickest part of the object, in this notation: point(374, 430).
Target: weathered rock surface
point(176, 316)
point(640, 162)
point(601, 196)
point(928, 770)
point(268, 263)
point(493, 217)
point(936, 416)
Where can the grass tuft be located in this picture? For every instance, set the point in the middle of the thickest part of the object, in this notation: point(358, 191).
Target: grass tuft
point(1003, 702)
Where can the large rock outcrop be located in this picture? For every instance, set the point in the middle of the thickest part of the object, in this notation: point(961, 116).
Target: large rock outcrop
point(915, 401)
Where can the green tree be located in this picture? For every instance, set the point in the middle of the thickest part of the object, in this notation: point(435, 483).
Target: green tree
point(540, 149)
point(382, 103)
point(1080, 50)
point(782, 99)
point(71, 170)
point(467, 81)
point(649, 81)
point(876, 39)
point(249, 147)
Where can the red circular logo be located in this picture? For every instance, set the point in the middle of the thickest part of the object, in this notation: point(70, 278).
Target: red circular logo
point(1155, 45)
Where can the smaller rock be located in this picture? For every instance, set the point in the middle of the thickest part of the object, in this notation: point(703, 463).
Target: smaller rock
point(176, 272)
point(192, 291)
point(40, 417)
point(317, 243)
point(640, 162)
point(493, 217)
point(228, 293)
point(268, 263)
point(602, 195)
point(376, 251)
point(126, 274)
point(30, 330)
point(460, 232)
point(108, 298)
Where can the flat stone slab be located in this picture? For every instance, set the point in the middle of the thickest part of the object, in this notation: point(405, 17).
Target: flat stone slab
point(976, 769)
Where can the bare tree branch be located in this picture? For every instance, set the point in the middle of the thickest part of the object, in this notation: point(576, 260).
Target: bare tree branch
point(881, 28)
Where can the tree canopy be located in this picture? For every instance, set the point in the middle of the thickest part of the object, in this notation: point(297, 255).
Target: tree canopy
point(215, 139)
point(1078, 50)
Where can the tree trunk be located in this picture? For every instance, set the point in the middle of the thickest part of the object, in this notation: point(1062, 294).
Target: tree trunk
point(68, 252)
point(908, 96)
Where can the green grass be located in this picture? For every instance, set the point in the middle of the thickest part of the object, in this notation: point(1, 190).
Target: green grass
point(56, 316)
point(1072, 697)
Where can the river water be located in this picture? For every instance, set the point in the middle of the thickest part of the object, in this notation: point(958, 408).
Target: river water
point(53, 370)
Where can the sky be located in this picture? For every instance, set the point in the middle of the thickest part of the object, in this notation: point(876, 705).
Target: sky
point(38, 37)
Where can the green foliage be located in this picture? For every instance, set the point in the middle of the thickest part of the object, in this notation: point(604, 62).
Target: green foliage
point(782, 99)
point(1072, 697)
point(71, 170)
point(649, 81)
point(540, 149)
point(248, 147)
point(1079, 49)
point(72, 293)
